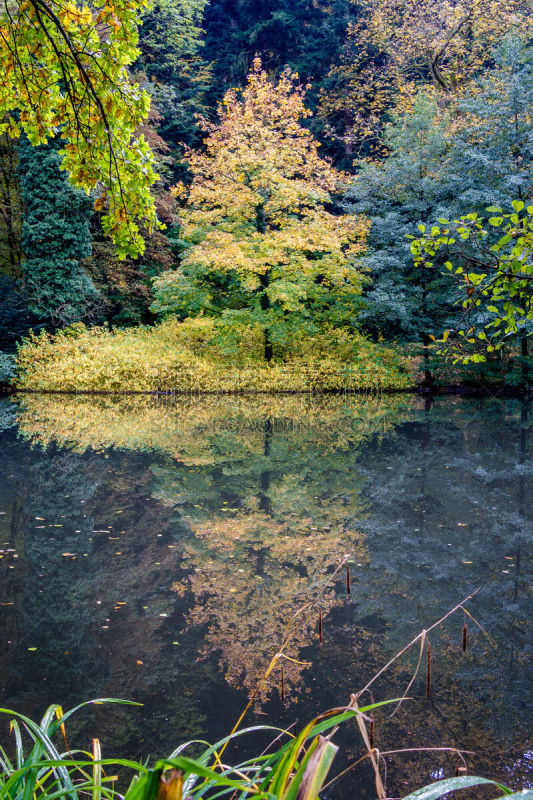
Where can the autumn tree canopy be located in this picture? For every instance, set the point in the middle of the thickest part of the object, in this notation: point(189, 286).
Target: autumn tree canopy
point(64, 74)
point(395, 47)
point(262, 239)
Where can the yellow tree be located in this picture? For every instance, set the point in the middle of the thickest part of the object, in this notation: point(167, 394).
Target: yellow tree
point(263, 239)
point(446, 42)
point(398, 45)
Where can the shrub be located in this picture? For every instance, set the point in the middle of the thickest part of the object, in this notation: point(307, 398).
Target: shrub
point(203, 355)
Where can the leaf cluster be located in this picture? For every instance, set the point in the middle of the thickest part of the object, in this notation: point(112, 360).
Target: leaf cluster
point(65, 74)
point(491, 258)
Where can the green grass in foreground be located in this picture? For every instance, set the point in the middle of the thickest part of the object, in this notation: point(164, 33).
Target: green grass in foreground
point(294, 770)
point(200, 355)
point(293, 767)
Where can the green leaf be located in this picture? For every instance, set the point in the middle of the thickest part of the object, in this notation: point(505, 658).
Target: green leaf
point(436, 790)
point(313, 771)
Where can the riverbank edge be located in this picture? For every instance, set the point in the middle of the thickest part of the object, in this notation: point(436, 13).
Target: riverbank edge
point(450, 390)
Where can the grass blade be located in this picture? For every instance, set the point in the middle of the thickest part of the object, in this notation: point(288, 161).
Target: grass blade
point(97, 770)
point(436, 790)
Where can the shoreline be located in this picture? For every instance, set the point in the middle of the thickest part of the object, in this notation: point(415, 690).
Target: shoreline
point(447, 390)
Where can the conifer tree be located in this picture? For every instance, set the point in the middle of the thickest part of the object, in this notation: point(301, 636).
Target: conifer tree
point(404, 300)
point(55, 237)
point(492, 132)
point(442, 163)
point(170, 44)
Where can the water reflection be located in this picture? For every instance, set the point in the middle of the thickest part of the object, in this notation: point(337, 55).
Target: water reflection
point(156, 549)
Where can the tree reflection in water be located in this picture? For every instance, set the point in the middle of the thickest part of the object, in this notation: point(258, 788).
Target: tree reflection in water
point(208, 521)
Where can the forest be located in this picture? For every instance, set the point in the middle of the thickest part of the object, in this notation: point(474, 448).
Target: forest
point(266, 368)
point(236, 195)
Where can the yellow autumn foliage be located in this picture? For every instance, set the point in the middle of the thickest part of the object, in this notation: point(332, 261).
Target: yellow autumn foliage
point(181, 428)
point(189, 357)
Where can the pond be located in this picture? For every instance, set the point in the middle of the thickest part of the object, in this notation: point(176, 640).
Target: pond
point(159, 549)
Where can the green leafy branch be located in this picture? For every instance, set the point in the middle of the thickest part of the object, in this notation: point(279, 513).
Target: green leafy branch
point(491, 261)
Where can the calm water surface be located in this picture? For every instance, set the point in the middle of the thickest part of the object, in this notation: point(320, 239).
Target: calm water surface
point(156, 549)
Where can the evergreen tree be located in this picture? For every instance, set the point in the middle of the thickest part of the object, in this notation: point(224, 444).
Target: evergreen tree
point(305, 35)
point(493, 132)
point(403, 191)
point(55, 237)
point(170, 43)
point(441, 164)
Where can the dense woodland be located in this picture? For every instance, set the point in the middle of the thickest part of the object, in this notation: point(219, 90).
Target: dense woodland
point(306, 172)
point(266, 196)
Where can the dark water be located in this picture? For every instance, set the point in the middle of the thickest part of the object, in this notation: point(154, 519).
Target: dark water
point(156, 549)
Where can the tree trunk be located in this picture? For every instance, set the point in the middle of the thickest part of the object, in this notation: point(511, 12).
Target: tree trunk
point(260, 224)
point(428, 377)
point(525, 365)
point(265, 305)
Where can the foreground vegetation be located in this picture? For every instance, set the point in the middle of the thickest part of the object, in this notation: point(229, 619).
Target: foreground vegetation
point(293, 766)
point(201, 355)
point(295, 770)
